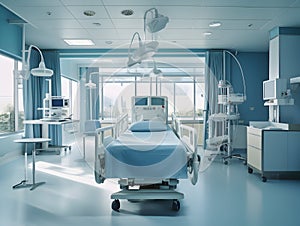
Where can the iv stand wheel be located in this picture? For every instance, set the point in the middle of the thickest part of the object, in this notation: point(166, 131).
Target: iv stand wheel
point(225, 161)
point(250, 170)
point(176, 205)
point(115, 205)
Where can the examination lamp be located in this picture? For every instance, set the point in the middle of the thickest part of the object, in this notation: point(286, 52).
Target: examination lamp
point(41, 71)
point(90, 84)
point(144, 51)
point(155, 72)
point(156, 23)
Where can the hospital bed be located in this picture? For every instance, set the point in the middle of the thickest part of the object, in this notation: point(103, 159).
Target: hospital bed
point(148, 157)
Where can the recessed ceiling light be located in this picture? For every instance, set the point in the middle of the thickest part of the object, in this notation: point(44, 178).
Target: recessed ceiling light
point(79, 42)
point(215, 24)
point(208, 33)
point(89, 13)
point(127, 12)
point(108, 42)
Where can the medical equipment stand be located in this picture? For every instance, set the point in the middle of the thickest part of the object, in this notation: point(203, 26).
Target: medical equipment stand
point(230, 102)
point(227, 101)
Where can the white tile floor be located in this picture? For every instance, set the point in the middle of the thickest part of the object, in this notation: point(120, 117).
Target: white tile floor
point(224, 195)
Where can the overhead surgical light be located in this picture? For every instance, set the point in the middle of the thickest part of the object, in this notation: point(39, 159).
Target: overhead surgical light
point(156, 23)
point(144, 51)
point(41, 71)
point(155, 72)
point(90, 84)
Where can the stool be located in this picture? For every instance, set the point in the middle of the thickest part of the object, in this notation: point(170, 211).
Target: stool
point(23, 183)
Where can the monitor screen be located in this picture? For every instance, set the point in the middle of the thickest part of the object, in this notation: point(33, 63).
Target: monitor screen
point(57, 103)
point(141, 101)
point(157, 101)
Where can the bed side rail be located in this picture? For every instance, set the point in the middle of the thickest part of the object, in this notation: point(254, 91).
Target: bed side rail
point(189, 137)
point(100, 138)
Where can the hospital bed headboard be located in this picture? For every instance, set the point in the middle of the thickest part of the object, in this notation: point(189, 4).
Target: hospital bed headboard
point(145, 108)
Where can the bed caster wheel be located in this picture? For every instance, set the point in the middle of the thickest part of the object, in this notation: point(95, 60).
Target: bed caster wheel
point(58, 152)
point(70, 148)
point(175, 205)
point(263, 179)
point(225, 162)
point(115, 205)
point(250, 170)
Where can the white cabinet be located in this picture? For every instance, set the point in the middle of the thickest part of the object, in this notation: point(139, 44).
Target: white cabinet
point(273, 152)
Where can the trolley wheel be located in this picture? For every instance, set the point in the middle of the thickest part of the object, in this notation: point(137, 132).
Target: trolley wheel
point(263, 179)
point(115, 205)
point(176, 205)
point(250, 170)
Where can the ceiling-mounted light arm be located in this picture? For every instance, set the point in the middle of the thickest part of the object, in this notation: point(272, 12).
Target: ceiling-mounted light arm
point(241, 70)
point(90, 84)
point(144, 51)
point(41, 70)
point(145, 18)
point(157, 22)
point(155, 72)
point(131, 61)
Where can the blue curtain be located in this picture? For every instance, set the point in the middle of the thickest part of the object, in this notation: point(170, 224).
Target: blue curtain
point(34, 91)
point(52, 62)
point(213, 73)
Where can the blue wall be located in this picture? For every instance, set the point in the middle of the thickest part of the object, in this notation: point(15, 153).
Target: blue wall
point(256, 70)
point(11, 34)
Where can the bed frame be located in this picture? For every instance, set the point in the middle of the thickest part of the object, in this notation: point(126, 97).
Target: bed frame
point(147, 108)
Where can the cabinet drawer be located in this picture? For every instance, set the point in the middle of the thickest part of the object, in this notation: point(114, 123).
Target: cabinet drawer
point(254, 157)
point(254, 141)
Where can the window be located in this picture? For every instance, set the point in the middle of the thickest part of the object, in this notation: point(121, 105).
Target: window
point(70, 91)
point(11, 102)
point(182, 81)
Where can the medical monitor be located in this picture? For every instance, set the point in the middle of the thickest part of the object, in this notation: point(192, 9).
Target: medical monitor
point(141, 101)
point(274, 89)
point(57, 103)
point(158, 101)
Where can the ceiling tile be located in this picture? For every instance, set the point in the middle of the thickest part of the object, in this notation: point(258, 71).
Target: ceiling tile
point(104, 34)
point(57, 23)
point(252, 3)
point(71, 33)
point(96, 23)
point(77, 11)
point(41, 12)
point(82, 3)
point(128, 23)
point(18, 3)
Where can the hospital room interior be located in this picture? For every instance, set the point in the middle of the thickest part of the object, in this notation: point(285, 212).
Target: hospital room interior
point(150, 112)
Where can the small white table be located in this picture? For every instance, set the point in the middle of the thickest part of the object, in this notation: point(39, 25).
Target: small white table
point(23, 183)
point(45, 126)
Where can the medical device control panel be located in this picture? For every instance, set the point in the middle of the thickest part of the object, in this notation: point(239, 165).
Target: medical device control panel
point(149, 107)
point(55, 108)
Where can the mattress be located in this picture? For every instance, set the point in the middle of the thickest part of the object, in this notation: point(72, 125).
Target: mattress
point(142, 155)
